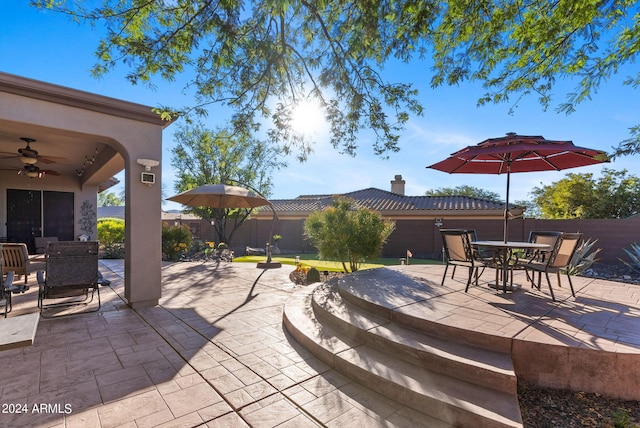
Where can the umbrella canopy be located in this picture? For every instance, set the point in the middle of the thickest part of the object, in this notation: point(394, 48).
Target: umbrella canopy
point(220, 196)
point(518, 153)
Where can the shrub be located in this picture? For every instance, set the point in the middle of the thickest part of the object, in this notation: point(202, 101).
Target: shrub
point(111, 237)
point(198, 245)
point(348, 234)
point(313, 275)
point(176, 240)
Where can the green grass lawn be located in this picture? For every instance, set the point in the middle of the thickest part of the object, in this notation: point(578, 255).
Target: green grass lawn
point(311, 260)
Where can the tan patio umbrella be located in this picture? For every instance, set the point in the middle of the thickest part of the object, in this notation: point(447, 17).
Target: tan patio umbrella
point(220, 196)
point(227, 196)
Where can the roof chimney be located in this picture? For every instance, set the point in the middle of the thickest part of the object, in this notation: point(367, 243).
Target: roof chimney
point(397, 185)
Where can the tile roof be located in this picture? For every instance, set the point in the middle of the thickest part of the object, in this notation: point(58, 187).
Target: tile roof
point(384, 201)
point(118, 212)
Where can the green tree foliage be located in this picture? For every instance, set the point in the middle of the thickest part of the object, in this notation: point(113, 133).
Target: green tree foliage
point(260, 58)
point(531, 209)
point(464, 190)
point(111, 236)
point(517, 48)
point(345, 233)
point(107, 199)
point(203, 156)
point(614, 195)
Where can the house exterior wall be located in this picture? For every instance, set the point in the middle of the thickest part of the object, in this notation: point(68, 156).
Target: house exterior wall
point(133, 131)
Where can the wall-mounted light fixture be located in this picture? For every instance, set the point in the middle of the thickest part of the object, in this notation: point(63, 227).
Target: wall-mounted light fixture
point(148, 177)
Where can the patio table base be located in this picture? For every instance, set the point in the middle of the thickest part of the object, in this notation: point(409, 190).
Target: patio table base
point(500, 286)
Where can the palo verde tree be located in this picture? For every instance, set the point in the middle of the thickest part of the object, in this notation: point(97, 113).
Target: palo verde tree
point(203, 156)
point(517, 48)
point(614, 195)
point(346, 233)
point(262, 57)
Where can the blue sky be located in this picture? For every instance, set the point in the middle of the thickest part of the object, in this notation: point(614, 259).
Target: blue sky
point(48, 47)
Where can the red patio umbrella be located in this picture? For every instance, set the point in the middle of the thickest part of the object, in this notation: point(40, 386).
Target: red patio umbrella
point(518, 153)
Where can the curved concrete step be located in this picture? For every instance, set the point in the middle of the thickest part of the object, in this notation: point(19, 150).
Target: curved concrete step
point(470, 363)
point(323, 341)
point(388, 298)
point(452, 401)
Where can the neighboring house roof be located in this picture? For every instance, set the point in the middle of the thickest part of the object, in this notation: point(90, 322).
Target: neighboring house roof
point(168, 216)
point(112, 211)
point(392, 204)
point(118, 212)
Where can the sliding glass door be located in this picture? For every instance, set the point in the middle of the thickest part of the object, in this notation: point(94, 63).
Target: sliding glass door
point(33, 213)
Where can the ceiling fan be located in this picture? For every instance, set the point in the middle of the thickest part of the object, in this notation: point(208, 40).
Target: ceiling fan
point(29, 156)
point(32, 171)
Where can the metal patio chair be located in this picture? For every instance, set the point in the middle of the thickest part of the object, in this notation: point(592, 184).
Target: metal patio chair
point(6, 287)
point(538, 237)
point(459, 252)
point(557, 261)
point(71, 276)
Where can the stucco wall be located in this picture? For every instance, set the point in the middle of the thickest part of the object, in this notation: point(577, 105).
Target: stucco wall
point(131, 130)
point(423, 239)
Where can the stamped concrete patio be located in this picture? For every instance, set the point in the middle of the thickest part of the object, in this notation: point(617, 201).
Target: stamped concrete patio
point(215, 352)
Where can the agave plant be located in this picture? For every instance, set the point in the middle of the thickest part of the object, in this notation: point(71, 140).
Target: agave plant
point(584, 257)
point(634, 255)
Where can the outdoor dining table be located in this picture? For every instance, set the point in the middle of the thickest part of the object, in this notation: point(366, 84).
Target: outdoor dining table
point(504, 251)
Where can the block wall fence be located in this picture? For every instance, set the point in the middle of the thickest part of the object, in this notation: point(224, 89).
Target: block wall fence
point(423, 239)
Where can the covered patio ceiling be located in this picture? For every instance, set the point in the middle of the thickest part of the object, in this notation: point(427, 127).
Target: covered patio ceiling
point(91, 161)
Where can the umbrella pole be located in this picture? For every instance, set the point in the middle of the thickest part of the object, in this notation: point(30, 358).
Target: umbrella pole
point(506, 206)
point(269, 264)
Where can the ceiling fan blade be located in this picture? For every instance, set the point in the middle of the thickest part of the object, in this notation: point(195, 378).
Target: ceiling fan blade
point(51, 159)
point(50, 172)
point(8, 155)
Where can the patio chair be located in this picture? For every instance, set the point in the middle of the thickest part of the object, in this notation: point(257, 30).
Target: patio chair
point(458, 252)
point(5, 291)
point(556, 262)
point(15, 258)
point(537, 237)
point(41, 242)
point(71, 276)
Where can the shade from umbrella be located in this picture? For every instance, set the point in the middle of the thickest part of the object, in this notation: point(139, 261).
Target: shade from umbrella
point(518, 153)
point(220, 196)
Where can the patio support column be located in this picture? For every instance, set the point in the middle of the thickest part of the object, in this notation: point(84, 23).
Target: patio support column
point(143, 237)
